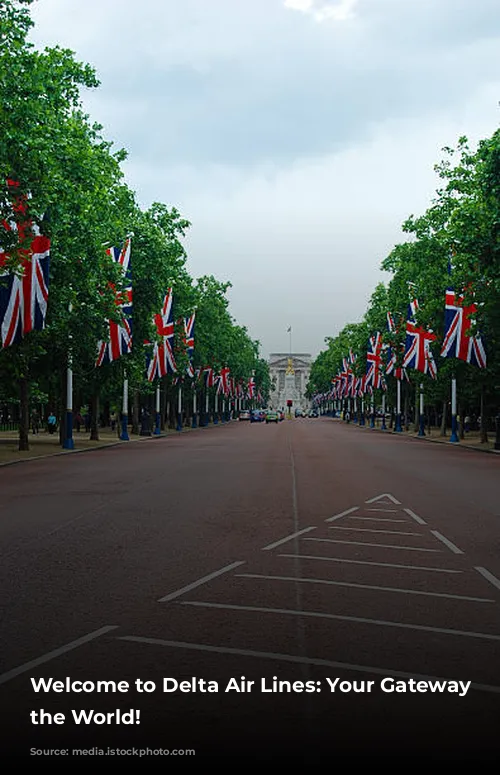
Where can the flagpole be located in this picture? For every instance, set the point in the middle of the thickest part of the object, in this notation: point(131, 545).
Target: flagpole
point(398, 428)
point(216, 406)
point(421, 425)
point(124, 434)
point(454, 435)
point(157, 430)
point(68, 440)
point(207, 408)
point(179, 408)
point(194, 423)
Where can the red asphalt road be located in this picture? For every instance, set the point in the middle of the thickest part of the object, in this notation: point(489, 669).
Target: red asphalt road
point(404, 585)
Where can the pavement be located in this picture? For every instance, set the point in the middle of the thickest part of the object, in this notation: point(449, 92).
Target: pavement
point(326, 564)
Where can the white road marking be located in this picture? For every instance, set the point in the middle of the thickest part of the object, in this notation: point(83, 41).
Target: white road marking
point(392, 511)
point(365, 586)
point(74, 644)
point(447, 542)
point(384, 495)
point(489, 576)
point(374, 530)
point(380, 519)
point(415, 517)
point(384, 671)
point(368, 562)
point(340, 617)
point(199, 582)
point(288, 538)
point(379, 546)
point(342, 514)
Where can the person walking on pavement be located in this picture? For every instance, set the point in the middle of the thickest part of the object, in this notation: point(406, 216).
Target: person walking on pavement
point(51, 423)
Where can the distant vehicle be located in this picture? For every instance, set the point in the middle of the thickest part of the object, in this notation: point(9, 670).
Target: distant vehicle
point(272, 417)
point(244, 416)
point(257, 416)
point(313, 413)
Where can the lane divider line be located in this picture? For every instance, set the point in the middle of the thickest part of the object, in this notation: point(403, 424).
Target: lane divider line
point(345, 618)
point(375, 530)
point(342, 514)
point(489, 576)
point(288, 538)
point(379, 546)
point(370, 562)
point(330, 583)
point(386, 672)
point(74, 644)
point(453, 547)
point(415, 517)
point(199, 582)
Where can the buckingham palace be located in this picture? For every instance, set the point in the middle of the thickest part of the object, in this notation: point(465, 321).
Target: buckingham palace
point(289, 377)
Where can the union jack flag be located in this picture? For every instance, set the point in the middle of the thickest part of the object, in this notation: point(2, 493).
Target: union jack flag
point(24, 296)
point(189, 342)
point(251, 388)
point(163, 361)
point(120, 334)
point(392, 359)
point(418, 354)
point(457, 343)
point(224, 381)
point(208, 377)
point(373, 375)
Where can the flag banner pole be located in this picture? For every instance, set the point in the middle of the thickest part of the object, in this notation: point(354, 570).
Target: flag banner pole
point(421, 424)
point(372, 412)
point(398, 427)
point(223, 417)
point(207, 408)
point(362, 416)
point(157, 430)
point(216, 409)
point(454, 435)
point(124, 434)
point(384, 427)
point(68, 441)
point(194, 421)
point(179, 408)
point(355, 417)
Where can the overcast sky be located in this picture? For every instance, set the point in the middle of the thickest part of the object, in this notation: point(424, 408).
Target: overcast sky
point(295, 135)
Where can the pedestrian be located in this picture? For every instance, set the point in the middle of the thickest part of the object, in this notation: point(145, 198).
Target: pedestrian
point(467, 423)
point(113, 420)
point(51, 423)
point(86, 420)
point(35, 421)
point(347, 416)
point(78, 421)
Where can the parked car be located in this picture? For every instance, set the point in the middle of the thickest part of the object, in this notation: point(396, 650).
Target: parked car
point(256, 416)
point(272, 417)
point(298, 413)
point(313, 413)
point(244, 415)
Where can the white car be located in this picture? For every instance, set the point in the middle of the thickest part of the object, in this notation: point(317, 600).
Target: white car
point(244, 416)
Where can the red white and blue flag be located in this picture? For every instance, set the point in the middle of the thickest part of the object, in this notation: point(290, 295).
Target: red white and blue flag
point(392, 366)
point(189, 342)
point(120, 334)
point(373, 377)
point(251, 388)
point(162, 361)
point(418, 354)
point(457, 342)
point(23, 294)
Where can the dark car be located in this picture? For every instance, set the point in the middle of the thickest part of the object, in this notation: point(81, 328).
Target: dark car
point(256, 416)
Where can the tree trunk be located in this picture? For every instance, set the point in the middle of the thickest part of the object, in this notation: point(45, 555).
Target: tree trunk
point(94, 416)
point(483, 428)
point(135, 413)
point(24, 416)
point(443, 418)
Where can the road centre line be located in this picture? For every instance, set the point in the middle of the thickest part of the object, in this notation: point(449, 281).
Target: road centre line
point(379, 546)
point(342, 514)
point(199, 582)
point(369, 562)
point(384, 495)
point(391, 511)
point(288, 538)
point(375, 530)
point(297, 660)
point(345, 618)
point(365, 586)
point(74, 644)
point(415, 517)
point(453, 547)
point(381, 519)
point(489, 576)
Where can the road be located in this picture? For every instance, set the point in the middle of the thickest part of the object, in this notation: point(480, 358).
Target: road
point(301, 552)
